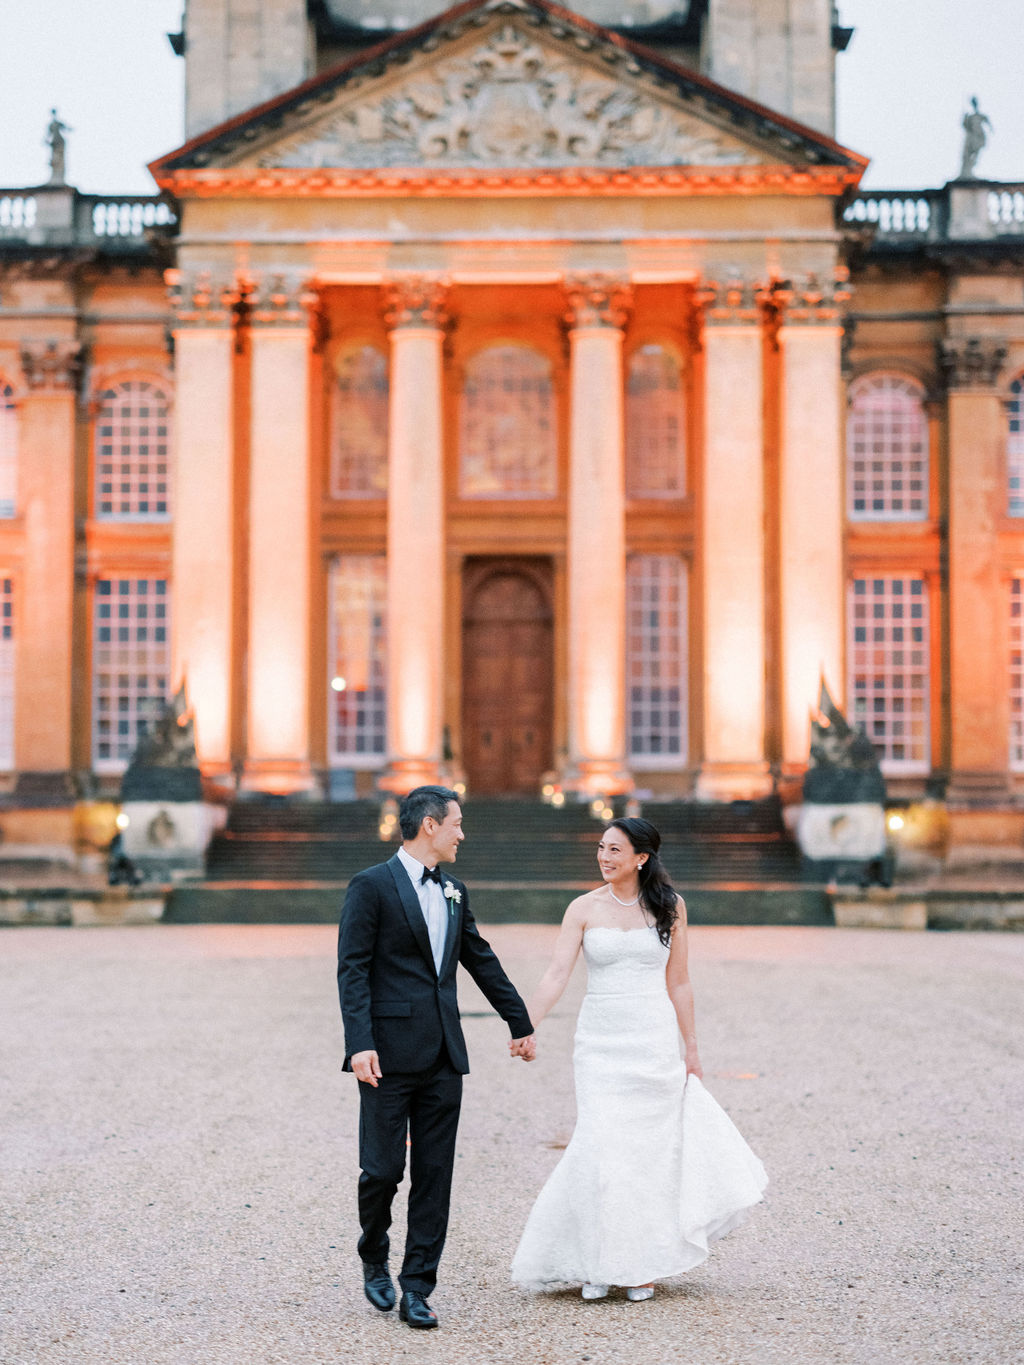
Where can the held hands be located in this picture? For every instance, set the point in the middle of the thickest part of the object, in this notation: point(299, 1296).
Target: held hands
point(524, 1047)
point(366, 1067)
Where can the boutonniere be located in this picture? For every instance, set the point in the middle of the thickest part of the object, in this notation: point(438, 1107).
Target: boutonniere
point(452, 895)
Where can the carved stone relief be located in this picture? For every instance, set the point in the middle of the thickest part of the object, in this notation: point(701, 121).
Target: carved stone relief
point(510, 101)
point(597, 301)
point(972, 362)
point(51, 365)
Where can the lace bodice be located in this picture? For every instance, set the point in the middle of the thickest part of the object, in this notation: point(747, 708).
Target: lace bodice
point(624, 961)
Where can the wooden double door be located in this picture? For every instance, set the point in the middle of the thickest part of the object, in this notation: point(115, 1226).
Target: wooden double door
point(508, 674)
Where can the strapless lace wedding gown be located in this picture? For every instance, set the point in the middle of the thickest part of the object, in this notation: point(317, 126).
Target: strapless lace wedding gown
point(655, 1170)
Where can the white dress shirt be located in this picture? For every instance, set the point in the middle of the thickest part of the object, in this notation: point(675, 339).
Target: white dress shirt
point(432, 903)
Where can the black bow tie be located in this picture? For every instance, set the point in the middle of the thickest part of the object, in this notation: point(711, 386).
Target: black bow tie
point(431, 874)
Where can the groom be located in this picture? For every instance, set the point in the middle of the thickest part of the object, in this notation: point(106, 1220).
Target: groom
point(404, 929)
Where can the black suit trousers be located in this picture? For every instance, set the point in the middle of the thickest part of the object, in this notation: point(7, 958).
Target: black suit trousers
point(425, 1105)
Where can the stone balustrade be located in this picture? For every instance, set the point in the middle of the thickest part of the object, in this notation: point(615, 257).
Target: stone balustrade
point(963, 210)
point(61, 216)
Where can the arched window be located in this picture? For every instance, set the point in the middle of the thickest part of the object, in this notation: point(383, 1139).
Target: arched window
point(8, 451)
point(507, 436)
point(133, 453)
point(359, 425)
point(655, 425)
point(1015, 451)
point(887, 450)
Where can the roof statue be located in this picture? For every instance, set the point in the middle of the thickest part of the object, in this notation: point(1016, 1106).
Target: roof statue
point(57, 144)
point(975, 124)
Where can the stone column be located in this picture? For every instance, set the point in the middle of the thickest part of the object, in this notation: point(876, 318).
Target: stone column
point(46, 478)
point(414, 312)
point(202, 554)
point(732, 545)
point(979, 663)
point(598, 308)
point(810, 511)
point(280, 564)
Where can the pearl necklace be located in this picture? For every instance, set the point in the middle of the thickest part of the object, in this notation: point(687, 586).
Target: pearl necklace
point(624, 903)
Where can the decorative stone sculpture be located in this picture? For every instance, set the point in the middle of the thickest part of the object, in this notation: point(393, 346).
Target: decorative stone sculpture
point(167, 823)
point(58, 147)
point(841, 824)
point(511, 101)
point(975, 137)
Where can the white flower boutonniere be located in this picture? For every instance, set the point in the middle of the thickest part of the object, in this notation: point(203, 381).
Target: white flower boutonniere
point(452, 895)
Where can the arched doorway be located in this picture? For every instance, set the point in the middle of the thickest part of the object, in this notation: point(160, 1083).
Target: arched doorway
point(508, 675)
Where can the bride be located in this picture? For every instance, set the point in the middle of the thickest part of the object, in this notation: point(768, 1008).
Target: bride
point(655, 1170)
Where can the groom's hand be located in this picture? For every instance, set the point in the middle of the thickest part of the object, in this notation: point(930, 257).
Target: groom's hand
point(524, 1047)
point(366, 1067)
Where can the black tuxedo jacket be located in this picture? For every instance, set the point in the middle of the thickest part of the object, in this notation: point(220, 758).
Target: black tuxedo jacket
point(393, 1000)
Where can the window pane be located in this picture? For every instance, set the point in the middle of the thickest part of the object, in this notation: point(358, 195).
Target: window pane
point(6, 674)
point(507, 435)
point(133, 454)
point(656, 659)
point(655, 425)
point(359, 426)
point(1015, 451)
point(1017, 674)
point(887, 450)
point(357, 678)
point(131, 667)
point(889, 702)
point(8, 452)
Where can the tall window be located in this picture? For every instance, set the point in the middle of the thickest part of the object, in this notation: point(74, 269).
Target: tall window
point(358, 681)
point(655, 425)
point(656, 660)
point(131, 662)
point(889, 668)
point(8, 451)
point(507, 439)
point(887, 450)
point(1017, 674)
point(133, 453)
point(1015, 451)
point(6, 675)
point(359, 425)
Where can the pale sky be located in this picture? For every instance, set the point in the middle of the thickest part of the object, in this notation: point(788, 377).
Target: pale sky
point(904, 84)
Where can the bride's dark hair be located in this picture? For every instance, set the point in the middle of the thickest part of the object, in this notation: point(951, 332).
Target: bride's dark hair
point(656, 894)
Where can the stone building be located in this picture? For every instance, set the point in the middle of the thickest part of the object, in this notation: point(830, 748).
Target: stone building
point(516, 395)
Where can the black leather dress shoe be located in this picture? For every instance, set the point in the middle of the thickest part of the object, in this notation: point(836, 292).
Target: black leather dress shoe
point(415, 1310)
point(377, 1286)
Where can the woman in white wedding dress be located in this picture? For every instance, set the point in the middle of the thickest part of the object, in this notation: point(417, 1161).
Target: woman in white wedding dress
point(655, 1169)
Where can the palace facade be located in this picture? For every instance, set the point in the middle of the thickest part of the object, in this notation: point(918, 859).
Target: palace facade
point(521, 397)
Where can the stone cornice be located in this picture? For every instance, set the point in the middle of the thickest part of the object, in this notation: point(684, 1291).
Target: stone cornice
point(390, 182)
point(972, 363)
point(597, 301)
point(51, 366)
point(811, 301)
point(416, 301)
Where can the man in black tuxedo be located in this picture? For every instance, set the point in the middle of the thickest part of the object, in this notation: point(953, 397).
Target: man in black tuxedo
point(404, 930)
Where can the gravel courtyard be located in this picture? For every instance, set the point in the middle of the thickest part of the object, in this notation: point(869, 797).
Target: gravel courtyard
point(177, 1157)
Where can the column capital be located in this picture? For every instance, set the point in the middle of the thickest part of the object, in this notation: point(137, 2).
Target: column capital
point(809, 300)
point(597, 301)
point(416, 301)
point(51, 366)
point(279, 299)
point(972, 363)
point(733, 302)
point(200, 299)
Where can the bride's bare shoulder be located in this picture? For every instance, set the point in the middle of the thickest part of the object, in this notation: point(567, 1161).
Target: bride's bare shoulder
point(579, 909)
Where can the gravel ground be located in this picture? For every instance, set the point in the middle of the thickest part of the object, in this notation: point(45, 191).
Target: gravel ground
point(177, 1169)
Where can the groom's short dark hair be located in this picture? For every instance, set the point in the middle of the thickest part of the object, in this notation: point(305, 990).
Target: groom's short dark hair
point(421, 802)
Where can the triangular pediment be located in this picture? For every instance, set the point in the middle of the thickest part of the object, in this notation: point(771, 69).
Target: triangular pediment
point(505, 84)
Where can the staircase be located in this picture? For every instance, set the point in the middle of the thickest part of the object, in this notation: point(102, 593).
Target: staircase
point(522, 860)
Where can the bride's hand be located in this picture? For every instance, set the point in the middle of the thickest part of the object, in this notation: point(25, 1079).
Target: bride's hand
point(693, 1066)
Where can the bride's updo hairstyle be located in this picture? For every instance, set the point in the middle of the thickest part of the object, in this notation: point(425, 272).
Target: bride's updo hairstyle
point(656, 892)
